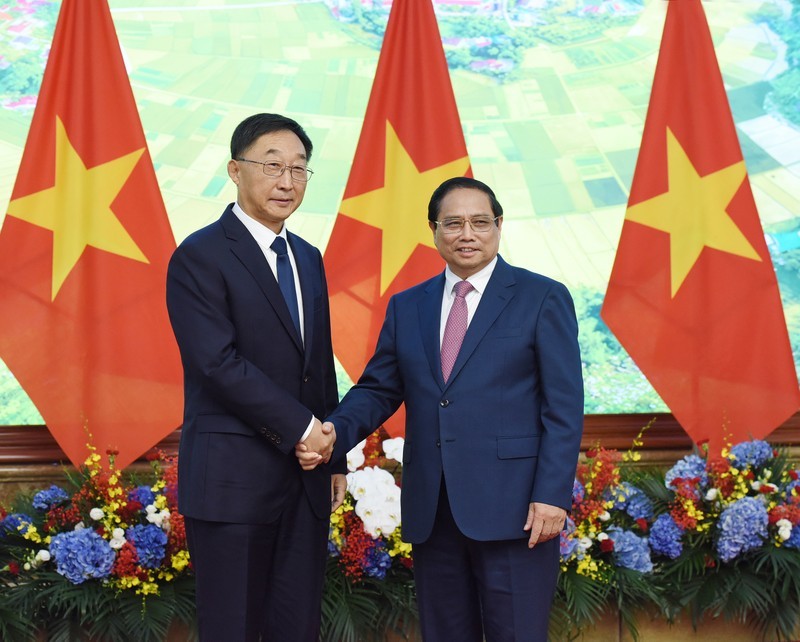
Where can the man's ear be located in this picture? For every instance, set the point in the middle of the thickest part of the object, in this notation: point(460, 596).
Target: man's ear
point(233, 171)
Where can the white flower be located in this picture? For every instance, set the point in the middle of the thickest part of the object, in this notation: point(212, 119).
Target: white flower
point(756, 485)
point(394, 448)
point(27, 566)
point(711, 494)
point(368, 480)
point(43, 555)
point(604, 516)
point(79, 526)
point(116, 543)
point(97, 514)
point(379, 517)
point(585, 543)
point(355, 458)
point(784, 529)
point(602, 537)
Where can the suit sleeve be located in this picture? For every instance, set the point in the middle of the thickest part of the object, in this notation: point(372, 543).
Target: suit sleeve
point(559, 365)
point(331, 385)
point(206, 336)
point(376, 396)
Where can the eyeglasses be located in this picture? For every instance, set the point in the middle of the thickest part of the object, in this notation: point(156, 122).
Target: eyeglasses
point(455, 225)
point(273, 169)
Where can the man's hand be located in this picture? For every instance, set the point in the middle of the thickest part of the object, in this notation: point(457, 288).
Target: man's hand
point(338, 486)
point(544, 522)
point(309, 452)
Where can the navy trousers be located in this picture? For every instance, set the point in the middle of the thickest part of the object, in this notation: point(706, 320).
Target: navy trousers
point(260, 581)
point(471, 591)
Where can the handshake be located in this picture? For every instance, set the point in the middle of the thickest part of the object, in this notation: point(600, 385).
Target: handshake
point(317, 448)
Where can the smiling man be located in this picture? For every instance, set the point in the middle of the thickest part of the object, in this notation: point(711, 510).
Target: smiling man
point(485, 357)
point(248, 303)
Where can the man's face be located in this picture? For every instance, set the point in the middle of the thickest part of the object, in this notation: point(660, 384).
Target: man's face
point(269, 200)
point(466, 252)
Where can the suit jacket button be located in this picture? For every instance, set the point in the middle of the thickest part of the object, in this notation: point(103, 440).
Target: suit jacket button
point(263, 431)
point(277, 439)
point(306, 379)
point(444, 403)
point(438, 444)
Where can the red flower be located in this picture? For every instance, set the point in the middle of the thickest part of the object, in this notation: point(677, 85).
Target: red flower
point(710, 562)
point(642, 524)
point(793, 475)
point(127, 563)
point(607, 546)
point(591, 453)
point(13, 568)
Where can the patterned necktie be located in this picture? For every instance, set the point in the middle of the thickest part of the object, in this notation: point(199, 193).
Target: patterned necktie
point(455, 329)
point(286, 280)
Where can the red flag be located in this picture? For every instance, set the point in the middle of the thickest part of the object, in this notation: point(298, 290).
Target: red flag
point(693, 296)
point(83, 255)
point(411, 141)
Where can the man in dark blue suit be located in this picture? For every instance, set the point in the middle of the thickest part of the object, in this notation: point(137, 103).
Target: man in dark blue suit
point(248, 303)
point(486, 359)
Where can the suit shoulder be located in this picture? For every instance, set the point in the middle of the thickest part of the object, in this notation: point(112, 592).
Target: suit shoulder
point(538, 281)
point(207, 234)
point(416, 291)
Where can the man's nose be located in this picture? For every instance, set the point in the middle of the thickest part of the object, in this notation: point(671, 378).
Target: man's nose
point(466, 231)
point(285, 179)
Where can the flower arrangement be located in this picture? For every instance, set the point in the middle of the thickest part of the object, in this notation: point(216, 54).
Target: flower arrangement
point(111, 540)
point(605, 555)
point(369, 584)
point(726, 535)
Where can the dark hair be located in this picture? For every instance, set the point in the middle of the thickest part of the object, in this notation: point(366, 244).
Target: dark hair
point(461, 182)
point(255, 126)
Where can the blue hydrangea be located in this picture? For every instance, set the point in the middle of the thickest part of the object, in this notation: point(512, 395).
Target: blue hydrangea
point(377, 560)
point(633, 501)
point(578, 492)
point(665, 537)
point(17, 523)
point(751, 453)
point(142, 494)
point(788, 491)
point(742, 526)
point(568, 544)
point(150, 542)
point(630, 550)
point(689, 467)
point(44, 500)
point(82, 555)
point(794, 538)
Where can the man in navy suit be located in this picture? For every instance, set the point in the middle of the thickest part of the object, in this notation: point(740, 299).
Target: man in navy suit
point(493, 426)
point(248, 303)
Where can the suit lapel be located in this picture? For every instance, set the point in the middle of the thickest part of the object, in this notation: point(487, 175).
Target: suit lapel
point(430, 313)
point(246, 249)
point(305, 268)
point(499, 291)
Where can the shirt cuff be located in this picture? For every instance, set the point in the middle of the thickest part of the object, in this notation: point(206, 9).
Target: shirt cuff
point(308, 430)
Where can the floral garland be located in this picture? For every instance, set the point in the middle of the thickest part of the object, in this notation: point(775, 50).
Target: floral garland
point(710, 536)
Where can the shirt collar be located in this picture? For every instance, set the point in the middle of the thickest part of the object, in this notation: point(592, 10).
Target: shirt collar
point(261, 233)
point(478, 280)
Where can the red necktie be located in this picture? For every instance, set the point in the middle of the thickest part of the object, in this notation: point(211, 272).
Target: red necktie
point(455, 328)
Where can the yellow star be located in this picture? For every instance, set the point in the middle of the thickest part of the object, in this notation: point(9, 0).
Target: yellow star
point(398, 207)
point(692, 212)
point(78, 208)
